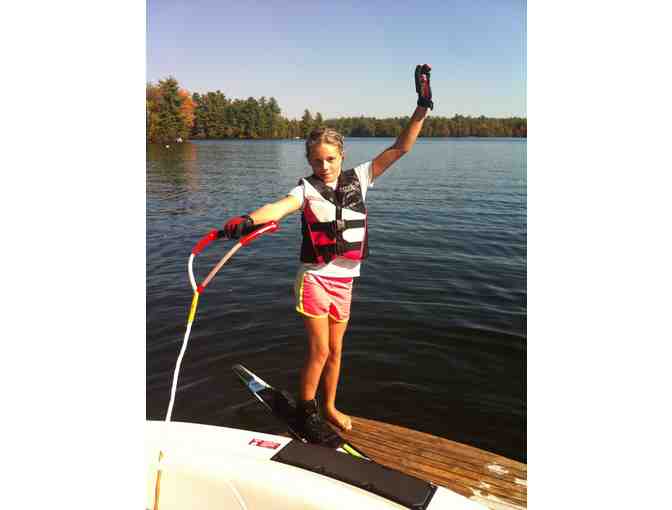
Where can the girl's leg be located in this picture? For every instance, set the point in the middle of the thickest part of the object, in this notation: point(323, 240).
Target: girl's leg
point(316, 357)
point(332, 369)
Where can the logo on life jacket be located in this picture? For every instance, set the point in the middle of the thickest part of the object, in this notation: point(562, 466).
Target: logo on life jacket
point(333, 222)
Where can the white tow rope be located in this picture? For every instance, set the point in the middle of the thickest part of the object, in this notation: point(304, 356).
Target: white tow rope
point(269, 227)
point(185, 341)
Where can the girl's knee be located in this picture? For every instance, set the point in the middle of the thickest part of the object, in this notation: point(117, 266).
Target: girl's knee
point(334, 353)
point(319, 353)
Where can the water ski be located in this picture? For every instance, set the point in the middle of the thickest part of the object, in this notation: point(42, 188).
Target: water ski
point(283, 406)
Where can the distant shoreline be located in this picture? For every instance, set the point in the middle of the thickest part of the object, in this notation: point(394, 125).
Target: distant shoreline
point(347, 137)
point(172, 113)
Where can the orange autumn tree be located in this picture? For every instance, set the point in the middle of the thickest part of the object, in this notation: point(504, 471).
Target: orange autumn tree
point(169, 112)
point(187, 109)
point(152, 104)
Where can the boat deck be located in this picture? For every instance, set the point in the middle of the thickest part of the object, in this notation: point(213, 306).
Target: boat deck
point(494, 481)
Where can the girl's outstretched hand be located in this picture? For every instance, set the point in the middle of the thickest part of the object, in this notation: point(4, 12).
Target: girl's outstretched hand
point(238, 226)
point(422, 87)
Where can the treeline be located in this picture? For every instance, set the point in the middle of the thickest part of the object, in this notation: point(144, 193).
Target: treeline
point(173, 113)
point(433, 127)
point(217, 116)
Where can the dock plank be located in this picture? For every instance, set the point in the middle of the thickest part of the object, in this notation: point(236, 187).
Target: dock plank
point(494, 481)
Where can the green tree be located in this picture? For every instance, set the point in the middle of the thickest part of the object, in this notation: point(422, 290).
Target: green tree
point(306, 124)
point(275, 119)
point(152, 103)
point(263, 118)
point(250, 118)
point(170, 122)
point(363, 127)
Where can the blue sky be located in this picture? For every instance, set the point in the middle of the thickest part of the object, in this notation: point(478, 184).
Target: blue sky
point(346, 58)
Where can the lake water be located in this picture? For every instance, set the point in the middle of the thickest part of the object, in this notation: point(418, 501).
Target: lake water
point(437, 336)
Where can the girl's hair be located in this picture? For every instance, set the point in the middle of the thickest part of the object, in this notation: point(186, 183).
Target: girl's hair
point(324, 135)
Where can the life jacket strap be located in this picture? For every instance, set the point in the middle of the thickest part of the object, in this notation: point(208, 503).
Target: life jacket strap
point(330, 251)
point(331, 227)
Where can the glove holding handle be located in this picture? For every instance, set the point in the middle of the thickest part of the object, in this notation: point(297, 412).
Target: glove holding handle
point(238, 226)
point(422, 87)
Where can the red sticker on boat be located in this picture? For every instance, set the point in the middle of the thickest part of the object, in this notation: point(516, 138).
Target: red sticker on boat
point(264, 444)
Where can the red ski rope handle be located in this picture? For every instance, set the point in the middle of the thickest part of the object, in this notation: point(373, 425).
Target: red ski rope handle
point(266, 228)
point(205, 240)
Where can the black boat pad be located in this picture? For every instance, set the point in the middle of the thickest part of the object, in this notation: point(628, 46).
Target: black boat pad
point(401, 488)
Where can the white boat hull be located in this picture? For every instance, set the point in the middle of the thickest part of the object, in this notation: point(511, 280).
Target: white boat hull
point(208, 467)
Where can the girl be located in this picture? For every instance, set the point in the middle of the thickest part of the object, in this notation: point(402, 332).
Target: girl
point(334, 228)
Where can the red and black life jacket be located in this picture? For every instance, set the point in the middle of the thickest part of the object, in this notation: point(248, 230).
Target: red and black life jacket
point(333, 222)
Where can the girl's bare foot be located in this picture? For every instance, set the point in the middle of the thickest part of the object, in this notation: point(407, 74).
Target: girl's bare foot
point(342, 421)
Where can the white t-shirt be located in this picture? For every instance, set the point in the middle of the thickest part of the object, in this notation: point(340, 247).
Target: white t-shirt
point(339, 267)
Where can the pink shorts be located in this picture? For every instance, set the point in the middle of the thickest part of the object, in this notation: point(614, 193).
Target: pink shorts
point(319, 296)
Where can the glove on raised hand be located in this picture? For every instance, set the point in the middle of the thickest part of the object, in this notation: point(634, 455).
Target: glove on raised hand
point(422, 87)
point(238, 226)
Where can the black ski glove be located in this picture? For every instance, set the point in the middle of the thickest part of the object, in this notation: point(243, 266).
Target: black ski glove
point(238, 226)
point(422, 87)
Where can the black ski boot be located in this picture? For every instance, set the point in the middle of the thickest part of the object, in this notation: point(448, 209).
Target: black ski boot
point(311, 425)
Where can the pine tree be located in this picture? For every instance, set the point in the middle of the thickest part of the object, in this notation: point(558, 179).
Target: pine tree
point(306, 124)
point(275, 121)
point(170, 119)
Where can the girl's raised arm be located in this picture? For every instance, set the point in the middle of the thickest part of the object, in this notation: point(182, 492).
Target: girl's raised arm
point(410, 133)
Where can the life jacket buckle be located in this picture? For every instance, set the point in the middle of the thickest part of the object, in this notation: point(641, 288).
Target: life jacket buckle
point(340, 225)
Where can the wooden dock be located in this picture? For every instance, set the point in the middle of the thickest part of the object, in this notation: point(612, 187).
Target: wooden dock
point(494, 481)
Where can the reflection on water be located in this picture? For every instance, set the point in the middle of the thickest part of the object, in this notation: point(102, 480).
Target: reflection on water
point(437, 339)
point(172, 170)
